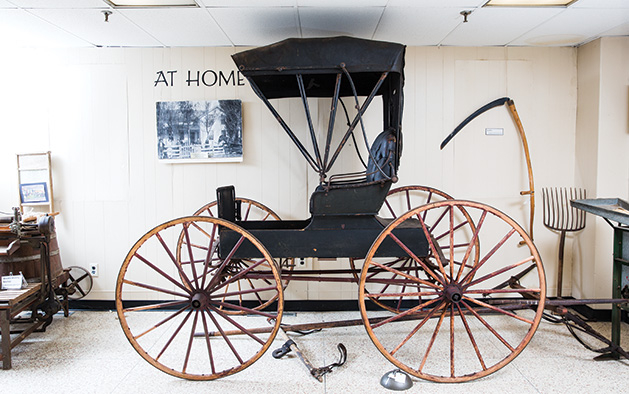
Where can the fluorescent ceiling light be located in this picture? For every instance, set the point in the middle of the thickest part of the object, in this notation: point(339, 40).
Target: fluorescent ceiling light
point(151, 3)
point(529, 3)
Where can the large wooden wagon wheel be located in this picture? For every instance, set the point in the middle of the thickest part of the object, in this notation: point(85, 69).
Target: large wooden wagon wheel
point(250, 210)
point(474, 318)
point(399, 201)
point(183, 327)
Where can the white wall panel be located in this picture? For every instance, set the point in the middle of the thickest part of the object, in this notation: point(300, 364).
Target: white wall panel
point(98, 119)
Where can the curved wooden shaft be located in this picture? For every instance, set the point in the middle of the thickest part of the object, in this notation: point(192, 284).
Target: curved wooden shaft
point(525, 145)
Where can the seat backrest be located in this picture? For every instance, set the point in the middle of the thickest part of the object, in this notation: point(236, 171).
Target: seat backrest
point(226, 203)
point(383, 152)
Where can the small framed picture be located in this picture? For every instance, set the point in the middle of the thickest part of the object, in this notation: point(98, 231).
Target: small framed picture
point(34, 192)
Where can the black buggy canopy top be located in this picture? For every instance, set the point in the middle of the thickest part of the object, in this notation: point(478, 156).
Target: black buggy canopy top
point(273, 67)
point(333, 67)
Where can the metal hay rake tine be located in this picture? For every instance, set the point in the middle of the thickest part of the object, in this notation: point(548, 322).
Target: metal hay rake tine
point(560, 216)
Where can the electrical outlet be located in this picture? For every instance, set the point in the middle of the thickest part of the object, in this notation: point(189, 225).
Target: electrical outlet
point(94, 269)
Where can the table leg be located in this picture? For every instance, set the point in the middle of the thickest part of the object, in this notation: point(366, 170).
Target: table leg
point(5, 331)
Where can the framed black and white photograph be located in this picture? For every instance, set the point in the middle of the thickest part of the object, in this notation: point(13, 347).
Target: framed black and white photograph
point(199, 131)
point(32, 193)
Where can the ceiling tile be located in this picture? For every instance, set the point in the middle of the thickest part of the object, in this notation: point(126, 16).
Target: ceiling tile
point(179, 26)
point(574, 26)
point(601, 4)
point(90, 25)
point(337, 3)
point(6, 4)
point(19, 28)
point(415, 26)
point(256, 26)
point(493, 26)
point(333, 21)
point(68, 4)
point(622, 30)
point(436, 3)
point(248, 3)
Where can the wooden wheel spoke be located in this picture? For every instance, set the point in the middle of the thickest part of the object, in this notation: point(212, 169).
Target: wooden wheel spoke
point(247, 213)
point(471, 336)
point(162, 273)
point(190, 255)
point(451, 231)
point(221, 267)
point(202, 230)
point(405, 275)
point(500, 310)
point(471, 245)
point(439, 219)
point(500, 271)
point(170, 340)
point(256, 293)
point(432, 339)
point(408, 312)
point(436, 250)
point(389, 264)
point(503, 291)
point(240, 292)
point(239, 275)
point(162, 322)
point(452, 340)
point(211, 249)
point(420, 325)
point(414, 294)
point(417, 259)
point(244, 309)
point(155, 306)
point(393, 275)
point(194, 326)
point(174, 260)
point(207, 342)
point(154, 288)
point(390, 209)
point(224, 336)
point(489, 327)
point(500, 243)
point(235, 323)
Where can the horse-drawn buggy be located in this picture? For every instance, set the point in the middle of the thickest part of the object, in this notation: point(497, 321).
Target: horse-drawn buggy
point(448, 290)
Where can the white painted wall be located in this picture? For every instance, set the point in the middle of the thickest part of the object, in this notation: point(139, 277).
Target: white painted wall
point(95, 110)
point(602, 163)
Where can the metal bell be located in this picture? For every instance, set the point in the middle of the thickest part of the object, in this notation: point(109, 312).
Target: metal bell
point(396, 380)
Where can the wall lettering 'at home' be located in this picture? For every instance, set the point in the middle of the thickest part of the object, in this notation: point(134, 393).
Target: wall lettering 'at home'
point(207, 78)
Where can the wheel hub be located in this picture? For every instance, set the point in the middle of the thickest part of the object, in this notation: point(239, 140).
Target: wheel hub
point(200, 301)
point(453, 292)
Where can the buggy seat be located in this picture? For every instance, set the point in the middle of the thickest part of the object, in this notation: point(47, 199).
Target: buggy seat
point(364, 196)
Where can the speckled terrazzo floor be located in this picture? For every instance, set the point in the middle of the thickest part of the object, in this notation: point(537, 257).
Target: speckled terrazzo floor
point(88, 353)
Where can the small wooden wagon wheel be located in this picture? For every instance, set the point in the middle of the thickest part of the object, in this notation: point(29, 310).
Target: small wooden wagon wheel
point(250, 210)
point(399, 201)
point(474, 318)
point(185, 330)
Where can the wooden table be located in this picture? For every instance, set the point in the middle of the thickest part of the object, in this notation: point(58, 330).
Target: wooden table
point(13, 302)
